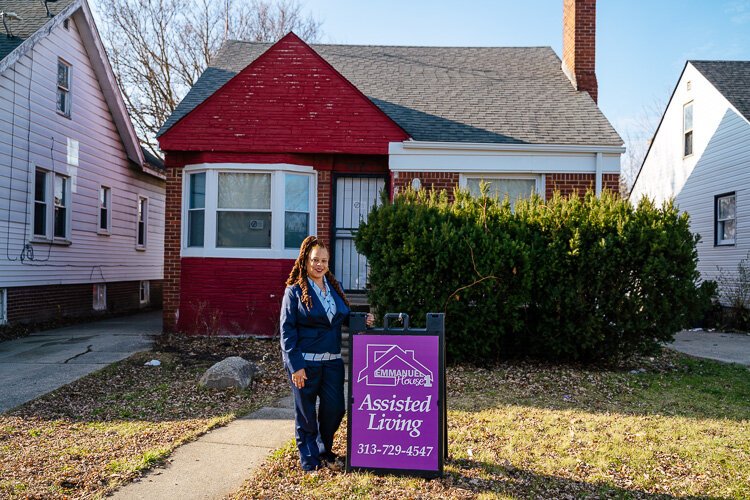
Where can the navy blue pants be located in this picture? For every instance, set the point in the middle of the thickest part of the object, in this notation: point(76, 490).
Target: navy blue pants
point(325, 380)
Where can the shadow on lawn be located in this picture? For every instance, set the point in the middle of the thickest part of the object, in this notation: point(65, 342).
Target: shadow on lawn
point(524, 483)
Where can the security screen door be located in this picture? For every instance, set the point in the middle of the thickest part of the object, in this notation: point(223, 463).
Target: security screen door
point(354, 198)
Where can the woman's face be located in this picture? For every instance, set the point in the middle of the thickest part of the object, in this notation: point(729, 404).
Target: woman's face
point(317, 263)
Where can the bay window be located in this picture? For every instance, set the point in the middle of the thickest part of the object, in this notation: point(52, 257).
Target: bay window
point(240, 210)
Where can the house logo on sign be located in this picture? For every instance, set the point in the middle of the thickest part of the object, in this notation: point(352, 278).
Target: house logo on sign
point(390, 365)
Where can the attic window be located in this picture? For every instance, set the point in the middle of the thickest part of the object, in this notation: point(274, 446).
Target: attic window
point(687, 129)
point(63, 88)
point(66, 24)
point(689, 85)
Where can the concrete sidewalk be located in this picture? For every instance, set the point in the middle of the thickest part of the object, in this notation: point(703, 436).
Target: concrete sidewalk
point(726, 347)
point(35, 365)
point(216, 465)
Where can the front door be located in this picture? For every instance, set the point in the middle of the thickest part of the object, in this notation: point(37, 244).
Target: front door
point(354, 198)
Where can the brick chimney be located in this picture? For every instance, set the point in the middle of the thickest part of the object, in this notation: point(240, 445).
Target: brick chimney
point(579, 45)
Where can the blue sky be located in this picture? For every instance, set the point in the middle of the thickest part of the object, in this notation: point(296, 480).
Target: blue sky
point(642, 45)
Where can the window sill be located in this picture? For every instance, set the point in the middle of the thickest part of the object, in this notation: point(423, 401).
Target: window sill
point(64, 115)
point(103, 232)
point(64, 242)
point(140, 248)
point(725, 244)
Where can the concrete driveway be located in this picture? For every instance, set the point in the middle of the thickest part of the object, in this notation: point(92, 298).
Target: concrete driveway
point(727, 347)
point(43, 361)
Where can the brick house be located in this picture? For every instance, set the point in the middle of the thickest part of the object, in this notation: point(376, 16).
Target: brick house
point(275, 142)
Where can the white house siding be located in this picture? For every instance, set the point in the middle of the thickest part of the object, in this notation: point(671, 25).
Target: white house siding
point(38, 136)
point(720, 164)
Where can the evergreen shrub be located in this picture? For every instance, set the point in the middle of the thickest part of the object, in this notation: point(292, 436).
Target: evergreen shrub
point(570, 279)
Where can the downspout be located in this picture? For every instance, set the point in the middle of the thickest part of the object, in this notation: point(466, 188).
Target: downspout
point(599, 161)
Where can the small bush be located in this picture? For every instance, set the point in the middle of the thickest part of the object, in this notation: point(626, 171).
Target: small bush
point(579, 279)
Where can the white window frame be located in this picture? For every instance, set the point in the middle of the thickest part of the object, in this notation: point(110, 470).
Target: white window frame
point(99, 297)
point(278, 209)
point(718, 223)
point(49, 192)
point(3, 306)
point(63, 88)
point(686, 131)
point(144, 293)
point(539, 180)
point(108, 230)
point(141, 199)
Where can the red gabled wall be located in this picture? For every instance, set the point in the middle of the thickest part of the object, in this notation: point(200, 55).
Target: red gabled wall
point(289, 100)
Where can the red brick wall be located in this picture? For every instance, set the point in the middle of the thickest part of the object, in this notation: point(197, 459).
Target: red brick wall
point(232, 296)
point(578, 183)
point(326, 165)
point(172, 247)
point(579, 44)
point(288, 100)
point(38, 304)
point(430, 180)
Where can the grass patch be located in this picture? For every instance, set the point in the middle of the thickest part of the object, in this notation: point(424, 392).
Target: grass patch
point(87, 438)
point(670, 426)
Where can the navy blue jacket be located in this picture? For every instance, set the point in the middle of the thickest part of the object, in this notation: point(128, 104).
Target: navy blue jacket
point(304, 330)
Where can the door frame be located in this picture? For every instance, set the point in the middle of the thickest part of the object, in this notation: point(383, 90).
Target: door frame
point(334, 189)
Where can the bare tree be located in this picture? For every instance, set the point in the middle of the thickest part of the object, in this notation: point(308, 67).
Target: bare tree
point(159, 48)
point(638, 135)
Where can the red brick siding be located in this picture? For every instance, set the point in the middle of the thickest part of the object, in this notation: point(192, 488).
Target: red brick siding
point(430, 180)
point(579, 44)
point(232, 296)
point(288, 100)
point(37, 304)
point(568, 184)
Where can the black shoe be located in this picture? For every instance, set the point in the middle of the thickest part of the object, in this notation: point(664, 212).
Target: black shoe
point(329, 456)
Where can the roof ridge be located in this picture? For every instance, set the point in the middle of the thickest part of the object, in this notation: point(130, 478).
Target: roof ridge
point(252, 42)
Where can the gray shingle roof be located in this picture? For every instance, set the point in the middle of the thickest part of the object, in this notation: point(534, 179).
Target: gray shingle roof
point(32, 17)
point(731, 78)
point(447, 94)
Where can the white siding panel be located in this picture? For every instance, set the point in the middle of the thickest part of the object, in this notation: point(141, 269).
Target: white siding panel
point(33, 134)
point(720, 164)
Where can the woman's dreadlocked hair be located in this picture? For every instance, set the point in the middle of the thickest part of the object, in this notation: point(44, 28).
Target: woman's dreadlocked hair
point(299, 272)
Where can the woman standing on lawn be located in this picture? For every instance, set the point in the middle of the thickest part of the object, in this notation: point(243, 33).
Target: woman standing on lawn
point(312, 312)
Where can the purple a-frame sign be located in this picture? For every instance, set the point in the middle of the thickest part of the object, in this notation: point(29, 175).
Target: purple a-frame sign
point(397, 399)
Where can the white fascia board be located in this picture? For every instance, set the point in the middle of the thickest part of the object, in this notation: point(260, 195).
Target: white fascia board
point(414, 156)
point(103, 70)
point(287, 167)
point(41, 33)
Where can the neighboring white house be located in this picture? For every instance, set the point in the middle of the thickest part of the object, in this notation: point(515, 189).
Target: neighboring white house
point(700, 155)
point(81, 205)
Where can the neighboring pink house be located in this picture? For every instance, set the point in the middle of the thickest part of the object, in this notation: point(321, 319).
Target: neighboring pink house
point(82, 218)
point(278, 141)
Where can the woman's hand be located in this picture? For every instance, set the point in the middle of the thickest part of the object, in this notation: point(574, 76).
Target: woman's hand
point(370, 320)
point(298, 378)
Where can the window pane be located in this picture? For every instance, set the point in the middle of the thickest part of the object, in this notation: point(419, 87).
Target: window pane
point(62, 74)
point(104, 197)
point(726, 208)
point(141, 234)
point(62, 101)
point(513, 188)
point(103, 218)
point(40, 218)
point(297, 193)
point(728, 230)
point(60, 191)
point(295, 229)
point(60, 222)
point(243, 229)
point(40, 191)
point(198, 190)
point(196, 219)
point(688, 144)
point(688, 115)
point(239, 190)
